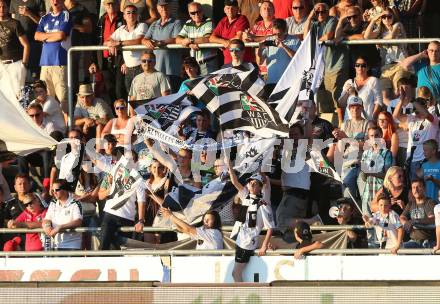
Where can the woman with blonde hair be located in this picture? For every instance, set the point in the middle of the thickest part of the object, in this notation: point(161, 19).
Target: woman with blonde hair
point(119, 126)
point(394, 187)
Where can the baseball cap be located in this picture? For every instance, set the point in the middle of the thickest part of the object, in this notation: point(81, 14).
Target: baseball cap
point(231, 3)
point(163, 2)
point(354, 101)
point(256, 177)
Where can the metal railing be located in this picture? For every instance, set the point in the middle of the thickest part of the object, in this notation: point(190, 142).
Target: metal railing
point(208, 45)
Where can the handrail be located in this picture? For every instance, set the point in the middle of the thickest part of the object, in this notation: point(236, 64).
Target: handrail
point(210, 45)
point(224, 228)
point(228, 252)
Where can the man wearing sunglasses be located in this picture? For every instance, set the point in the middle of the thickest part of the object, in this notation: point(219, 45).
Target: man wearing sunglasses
point(149, 84)
point(64, 213)
point(295, 23)
point(195, 31)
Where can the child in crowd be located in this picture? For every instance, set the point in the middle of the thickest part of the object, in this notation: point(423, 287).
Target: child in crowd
point(303, 236)
point(430, 170)
point(255, 214)
point(387, 225)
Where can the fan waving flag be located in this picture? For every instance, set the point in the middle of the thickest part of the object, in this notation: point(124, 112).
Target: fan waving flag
point(292, 89)
point(233, 96)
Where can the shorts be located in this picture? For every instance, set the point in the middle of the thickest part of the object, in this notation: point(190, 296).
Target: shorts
point(243, 255)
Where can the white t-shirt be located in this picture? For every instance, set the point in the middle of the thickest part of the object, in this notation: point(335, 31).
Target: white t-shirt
point(300, 179)
point(247, 237)
point(370, 94)
point(437, 215)
point(62, 214)
point(131, 58)
point(387, 234)
point(406, 109)
point(419, 132)
point(54, 113)
point(208, 238)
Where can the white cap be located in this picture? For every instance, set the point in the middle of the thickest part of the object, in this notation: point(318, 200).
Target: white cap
point(354, 101)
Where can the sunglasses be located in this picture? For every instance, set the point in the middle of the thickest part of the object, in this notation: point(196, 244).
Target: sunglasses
point(148, 60)
point(297, 7)
point(131, 12)
point(360, 65)
point(57, 190)
point(195, 13)
point(351, 17)
point(387, 17)
point(35, 115)
point(120, 108)
point(321, 12)
point(234, 50)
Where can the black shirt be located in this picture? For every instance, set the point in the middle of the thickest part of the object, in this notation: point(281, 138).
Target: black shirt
point(36, 7)
point(10, 46)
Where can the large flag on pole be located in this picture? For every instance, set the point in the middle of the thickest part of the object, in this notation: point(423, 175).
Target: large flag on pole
point(291, 89)
point(232, 95)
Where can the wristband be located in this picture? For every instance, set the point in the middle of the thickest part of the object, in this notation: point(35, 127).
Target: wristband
point(141, 221)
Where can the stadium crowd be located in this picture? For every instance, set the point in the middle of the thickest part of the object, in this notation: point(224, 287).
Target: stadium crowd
point(383, 96)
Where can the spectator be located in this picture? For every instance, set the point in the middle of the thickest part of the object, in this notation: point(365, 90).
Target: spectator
point(430, 169)
point(63, 213)
point(195, 31)
point(376, 160)
point(356, 129)
point(283, 8)
point(357, 238)
point(256, 214)
point(433, 106)
point(149, 84)
point(51, 107)
point(422, 126)
point(237, 51)
point(31, 218)
point(54, 32)
point(191, 71)
point(91, 113)
point(295, 185)
point(162, 32)
point(119, 126)
point(109, 64)
point(437, 227)
point(277, 53)
point(15, 206)
point(28, 13)
point(376, 10)
point(263, 27)
point(147, 9)
point(14, 50)
point(386, 123)
point(407, 12)
point(367, 88)
point(82, 33)
point(208, 237)
point(41, 157)
point(389, 28)
point(231, 27)
point(387, 225)
point(419, 211)
point(335, 58)
point(303, 236)
point(114, 218)
point(202, 130)
point(352, 27)
point(427, 67)
point(295, 23)
point(129, 34)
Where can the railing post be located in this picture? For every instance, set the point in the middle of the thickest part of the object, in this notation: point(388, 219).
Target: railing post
point(70, 111)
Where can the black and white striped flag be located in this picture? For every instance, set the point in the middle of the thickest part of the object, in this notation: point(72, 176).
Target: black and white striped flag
point(300, 80)
point(232, 94)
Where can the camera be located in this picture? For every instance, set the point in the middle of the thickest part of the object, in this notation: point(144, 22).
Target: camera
point(269, 43)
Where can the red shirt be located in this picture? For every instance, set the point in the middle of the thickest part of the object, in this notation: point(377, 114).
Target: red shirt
point(33, 242)
point(259, 29)
point(109, 28)
point(283, 8)
point(227, 30)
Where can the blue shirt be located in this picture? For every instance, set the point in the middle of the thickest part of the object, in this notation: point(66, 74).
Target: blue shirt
point(277, 58)
point(55, 53)
point(168, 62)
point(423, 79)
point(433, 169)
